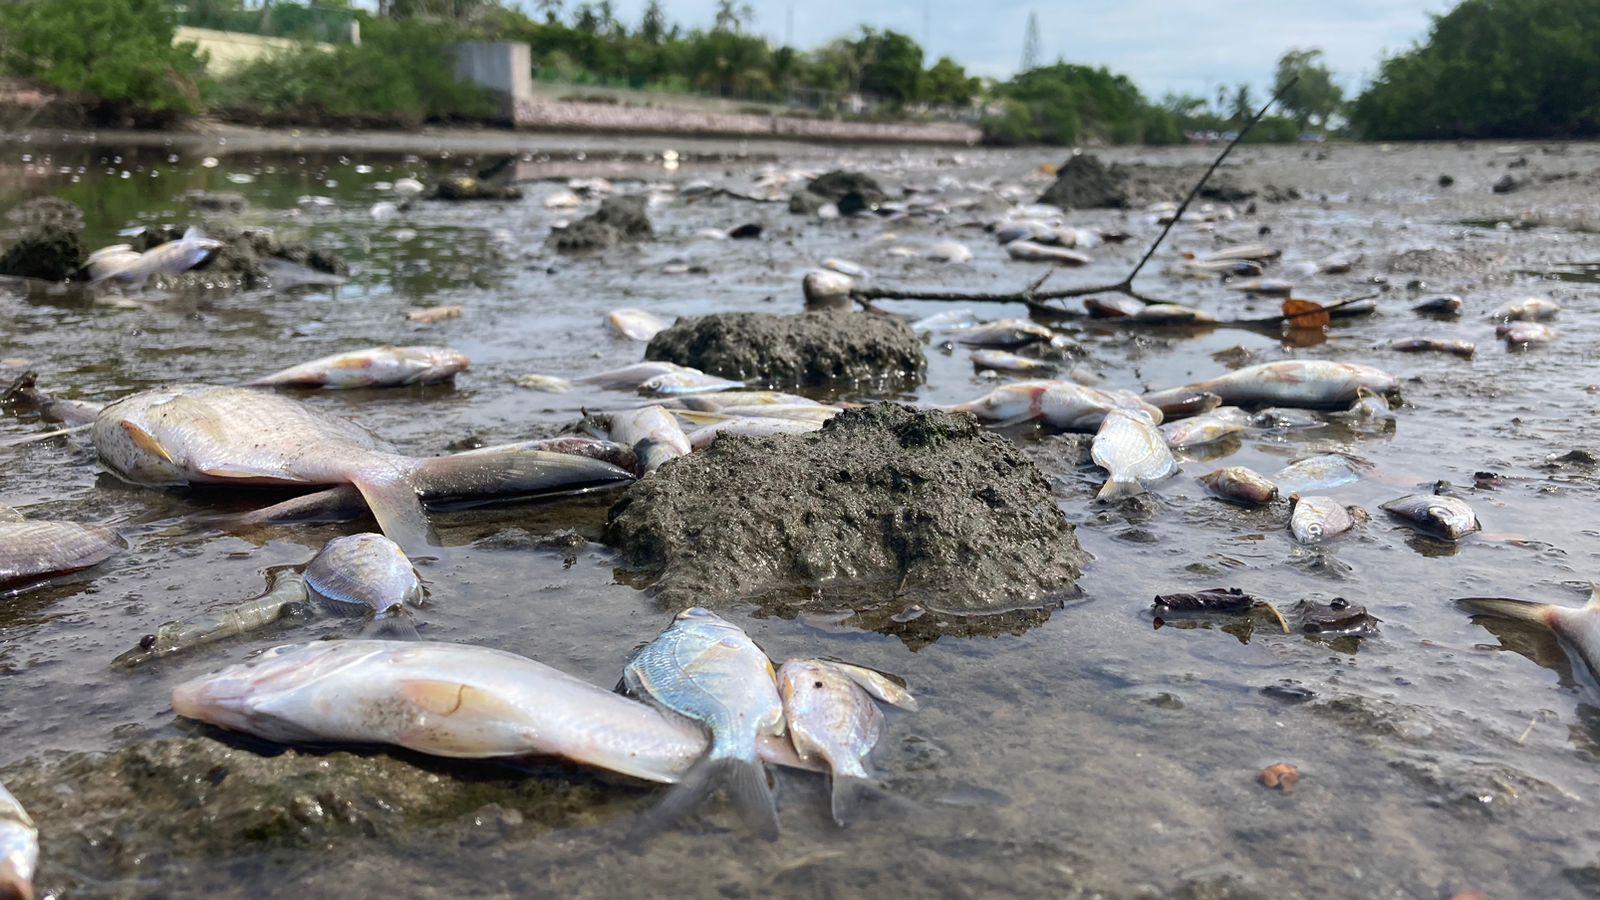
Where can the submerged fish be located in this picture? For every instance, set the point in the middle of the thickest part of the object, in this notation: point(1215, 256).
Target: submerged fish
point(1314, 520)
point(366, 574)
point(1446, 517)
point(653, 433)
point(1463, 349)
point(1132, 451)
point(1171, 314)
point(1578, 628)
point(1527, 309)
point(170, 258)
point(1006, 334)
point(19, 849)
point(1521, 334)
point(1240, 484)
point(1003, 361)
point(636, 324)
point(833, 717)
point(1308, 383)
point(1318, 473)
point(285, 598)
point(707, 669)
point(945, 321)
point(216, 435)
point(32, 549)
point(1205, 428)
point(1029, 251)
point(374, 367)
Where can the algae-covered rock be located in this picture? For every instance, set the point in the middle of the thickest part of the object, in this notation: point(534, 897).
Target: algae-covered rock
point(465, 187)
point(246, 257)
point(814, 348)
point(837, 184)
point(1083, 182)
point(805, 203)
point(51, 252)
point(900, 507)
point(618, 220)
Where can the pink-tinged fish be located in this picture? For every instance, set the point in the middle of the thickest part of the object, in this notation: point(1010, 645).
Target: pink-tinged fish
point(833, 718)
point(373, 367)
point(1577, 627)
point(1310, 383)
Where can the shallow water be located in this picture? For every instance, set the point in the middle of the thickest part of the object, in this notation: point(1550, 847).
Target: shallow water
point(1089, 753)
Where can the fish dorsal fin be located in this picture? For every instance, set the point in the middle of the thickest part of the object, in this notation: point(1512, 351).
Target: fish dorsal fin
point(881, 686)
point(193, 233)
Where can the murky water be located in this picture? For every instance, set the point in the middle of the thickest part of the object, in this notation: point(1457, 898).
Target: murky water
point(1090, 753)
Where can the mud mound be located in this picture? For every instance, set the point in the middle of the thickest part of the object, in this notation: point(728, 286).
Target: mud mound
point(904, 507)
point(51, 252)
point(245, 255)
point(1083, 182)
point(814, 348)
point(618, 220)
point(465, 187)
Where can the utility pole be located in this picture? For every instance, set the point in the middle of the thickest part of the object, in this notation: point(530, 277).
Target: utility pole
point(1030, 43)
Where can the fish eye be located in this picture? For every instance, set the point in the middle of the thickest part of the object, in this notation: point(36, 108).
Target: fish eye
point(816, 684)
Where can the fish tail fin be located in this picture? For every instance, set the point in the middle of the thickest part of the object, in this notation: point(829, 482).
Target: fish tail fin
point(1594, 597)
point(746, 781)
point(514, 472)
point(849, 792)
point(1507, 608)
point(1116, 490)
point(392, 625)
point(394, 500)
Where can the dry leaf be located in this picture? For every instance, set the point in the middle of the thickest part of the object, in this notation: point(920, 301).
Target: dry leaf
point(435, 314)
point(1282, 776)
point(1305, 314)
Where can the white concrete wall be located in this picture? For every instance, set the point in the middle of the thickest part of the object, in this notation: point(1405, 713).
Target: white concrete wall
point(504, 67)
point(230, 50)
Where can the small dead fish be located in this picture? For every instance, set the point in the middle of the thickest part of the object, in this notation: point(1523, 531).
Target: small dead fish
point(1368, 407)
point(1522, 334)
point(1060, 404)
point(845, 267)
point(1005, 334)
point(364, 574)
point(949, 252)
point(170, 258)
point(286, 596)
point(19, 849)
point(1172, 314)
point(1003, 361)
point(834, 719)
point(1527, 309)
point(1205, 428)
point(631, 377)
point(433, 314)
point(749, 426)
point(1318, 473)
point(1314, 520)
point(949, 320)
point(1276, 418)
point(1463, 349)
point(31, 549)
point(1257, 252)
point(1316, 384)
point(549, 384)
point(1194, 404)
point(374, 367)
point(1112, 307)
point(619, 455)
point(1578, 628)
point(719, 400)
point(653, 433)
point(671, 384)
point(1338, 263)
point(636, 324)
point(108, 261)
point(1239, 268)
point(823, 288)
point(1028, 251)
point(1447, 517)
point(1447, 305)
point(1132, 451)
point(1241, 485)
point(1270, 287)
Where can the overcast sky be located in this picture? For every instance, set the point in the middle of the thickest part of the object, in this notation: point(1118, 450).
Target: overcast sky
point(1176, 45)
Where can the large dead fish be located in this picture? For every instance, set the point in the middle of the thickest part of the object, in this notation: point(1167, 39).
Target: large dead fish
point(32, 549)
point(1060, 404)
point(196, 434)
point(1578, 628)
point(453, 700)
point(170, 258)
point(1133, 451)
point(653, 433)
point(373, 367)
point(1310, 383)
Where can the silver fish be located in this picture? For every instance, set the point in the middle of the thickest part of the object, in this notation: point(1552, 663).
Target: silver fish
point(1240, 484)
point(373, 367)
point(678, 383)
point(19, 849)
point(365, 574)
point(1060, 404)
point(1029, 251)
point(1318, 519)
point(1271, 287)
point(170, 258)
point(945, 321)
point(825, 289)
point(1206, 427)
point(636, 324)
point(834, 719)
point(108, 261)
point(1006, 334)
point(750, 426)
point(1463, 349)
point(1172, 314)
point(1527, 309)
point(1521, 334)
point(1447, 517)
point(1315, 384)
point(707, 669)
point(1318, 473)
point(845, 267)
point(1177, 406)
point(1578, 628)
point(653, 433)
point(286, 597)
point(630, 377)
point(619, 455)
point(215, 435)
point(1447, 305)
point(1257, 252)
point(717, 400)
point(1003, 361)
point(1132, 451)
point(949, 252)
point(1112, 307)
point(33, 549)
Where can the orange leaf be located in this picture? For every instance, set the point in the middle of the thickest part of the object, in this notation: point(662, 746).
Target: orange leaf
point(1305, 314)
point(1282, 776)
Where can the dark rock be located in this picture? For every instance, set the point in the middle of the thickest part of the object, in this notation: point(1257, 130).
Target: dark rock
point(838, 183)
point(812, 348)
point(618, 220)
point(46, 211)
point(216, 201)
point(1274, 194)
point(745, 232)
point(1506, 185)
point(1446, 180)
point(902, 507)
point(246, 255)
point(855, 202)
point(1225, 189)
point(805, 203)
point(50, 252)
point(1085, 183)
point(465, 187)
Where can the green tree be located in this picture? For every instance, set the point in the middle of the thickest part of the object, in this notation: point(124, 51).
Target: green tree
point(118, 55)
point(1243, 105)
point(946, 82)
point(653, 27)
point(1315, 97)
point(892, 65)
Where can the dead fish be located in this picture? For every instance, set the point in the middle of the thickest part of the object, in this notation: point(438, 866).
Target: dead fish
point(636, 324)
point(1271, 287)
point(1447, 517)
point(196, 434)
point(1578, 628)
point(550, 384)
point(653, 433)
point(619, 455)
point(1205, 428)
point(374, 367)
point(108, 261)
point(945, 321)
point(286, 597)
point(1275, 418)
point(1240, 484)
point(170, 258)
point(823, 288)
point(1523, 334)
point(845, 267)
point(1314, 520)
point(367, 574)
point(32, 549)
point(1023, 230)
point(1172, 314)
point(433, 314)
point(451, 700)
point(1463, 349)
point(1316, 384)
point(1112, 307)
point(671, 384)
point(1239, 268)
point(1003, 361)
point(1192, 404)
point(811, 413)
point(949, 252)
point(1318, 473)
point(1256, 252)
point(719, 400)
point(749, 426)
point(1448, 305)
point(707, 670)
point(1028, 251)
point(19, 849)
point(1368, 407)
point(631, 377)
point(1060, 404)
point(1527, 309)
point(832, 719)
point(1338, 263)
point(1006, 334)
point(1132, 451)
